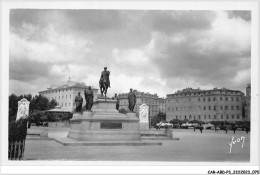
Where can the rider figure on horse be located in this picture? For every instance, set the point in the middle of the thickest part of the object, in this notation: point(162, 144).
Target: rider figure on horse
point(104, 82)
point(105, 77)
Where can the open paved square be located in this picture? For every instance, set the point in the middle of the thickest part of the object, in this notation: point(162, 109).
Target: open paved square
point(209, 146)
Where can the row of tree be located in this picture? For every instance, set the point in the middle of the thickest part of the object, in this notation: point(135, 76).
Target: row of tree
point(215, 122)
point(162, 117)
point(37, 108)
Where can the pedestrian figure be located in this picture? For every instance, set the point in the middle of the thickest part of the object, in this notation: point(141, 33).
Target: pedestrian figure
point(216, 129)
point(201, 128)
point(226, 129)
point(247, 129)
point(194, 128)
point(234, 129)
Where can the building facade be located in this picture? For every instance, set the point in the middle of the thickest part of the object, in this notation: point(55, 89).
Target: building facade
point(65, 94)
point(206, 105)
point(248, 102)
point(162, 105)
point(150, 100)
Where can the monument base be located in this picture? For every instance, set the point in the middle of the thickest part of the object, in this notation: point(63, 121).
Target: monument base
point(105, 123)
point(144, 126)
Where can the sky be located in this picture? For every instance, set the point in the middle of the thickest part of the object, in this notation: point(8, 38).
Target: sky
point(155, 51)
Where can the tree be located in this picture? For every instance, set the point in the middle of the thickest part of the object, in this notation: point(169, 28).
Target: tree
point(13, 106)
point(53, 103)
point(40, 103)
point(162, 116)
point(154, 120)
point(175, 121)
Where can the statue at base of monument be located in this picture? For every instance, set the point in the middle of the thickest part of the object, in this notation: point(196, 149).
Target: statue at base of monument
point(89, 96)
point(131, 100)
point(117, 101)
point(78, 102)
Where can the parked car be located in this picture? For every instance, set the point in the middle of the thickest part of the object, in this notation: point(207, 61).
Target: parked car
point(176, 125)
point(185, 126)
point(208, 126)
point(164, 125)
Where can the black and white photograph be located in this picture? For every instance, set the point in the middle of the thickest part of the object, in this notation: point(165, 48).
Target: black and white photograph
point(118, 85)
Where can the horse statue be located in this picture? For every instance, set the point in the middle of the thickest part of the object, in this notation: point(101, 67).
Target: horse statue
point(103, 85)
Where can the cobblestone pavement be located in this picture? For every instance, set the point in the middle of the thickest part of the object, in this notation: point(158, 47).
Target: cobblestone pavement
point(210, 146)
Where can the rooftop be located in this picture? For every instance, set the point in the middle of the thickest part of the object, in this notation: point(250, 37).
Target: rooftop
point(138, 93)
point(191, 90)
point(67, 84)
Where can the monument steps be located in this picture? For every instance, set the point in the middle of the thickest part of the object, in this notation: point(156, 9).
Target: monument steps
point(71, 142)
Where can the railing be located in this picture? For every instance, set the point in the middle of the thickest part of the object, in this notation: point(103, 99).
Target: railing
point(16, 150)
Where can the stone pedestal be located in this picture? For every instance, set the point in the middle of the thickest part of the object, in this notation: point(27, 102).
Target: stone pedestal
point(104, 123)
point(144, 126)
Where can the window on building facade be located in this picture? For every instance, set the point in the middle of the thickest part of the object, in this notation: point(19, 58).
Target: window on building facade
point(226, 98)
point(209, 117)
point(194, 117)
point(227, 117)
point(65, 104)
point(176, 108)
point(209, 99)
point(204, 107)
point(176, 116)
point(220, 98)
point(226, 107)
point(199, 107)
point(198, 99)
point(221, 116)
point(221, 107)
point(66, 96)
point(199, 117)
point(215, 108)
point(214, 98)
point(205, 117)
point(237, 107)
point(215, 117)
point(237, 98)
point(62, 104)
point(190, 117)
point(233, 116)
point(209, 107)
point(238, 117)
point(204, 99)
point(231, 99)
